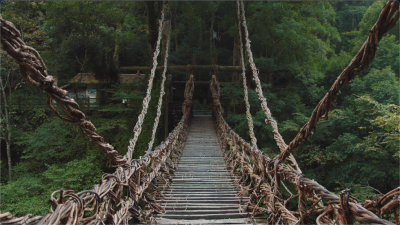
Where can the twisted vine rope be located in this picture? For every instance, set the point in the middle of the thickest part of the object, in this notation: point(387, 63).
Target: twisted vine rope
point(254, 174)
point(34, 71)
point(253, 179)
point(146, 101)
point(188, 103)
point(162, 92)
point(106, 202)
point(362, 60)
point(277, 136)
point(246, 95)
point(118, 198)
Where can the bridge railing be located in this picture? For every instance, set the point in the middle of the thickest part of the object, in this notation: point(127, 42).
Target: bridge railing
point(125, 195)
point(119, 197)
point(261, 178)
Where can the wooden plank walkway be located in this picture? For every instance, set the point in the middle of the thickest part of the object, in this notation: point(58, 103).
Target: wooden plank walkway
point(202, 190)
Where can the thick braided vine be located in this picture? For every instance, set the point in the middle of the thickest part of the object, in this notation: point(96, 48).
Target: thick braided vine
point(119, 197)
point(162, 92)
point(365, 55)
point(339, 209)
point(277, 136)
point(110, 202)
point(315, 201)
point(246, 95)
point(253, 179)
point(146, 101)
point(106, 202)
point(33, 69)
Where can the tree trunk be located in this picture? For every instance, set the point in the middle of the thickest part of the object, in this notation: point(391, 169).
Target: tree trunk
point(175, 28)
point(7, 132)
point(9, 154)
point(152, 24)
point(211, 40)
point(116, 49)
point(235, 56)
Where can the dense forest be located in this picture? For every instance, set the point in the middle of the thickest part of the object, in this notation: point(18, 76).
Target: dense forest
point(302, 48)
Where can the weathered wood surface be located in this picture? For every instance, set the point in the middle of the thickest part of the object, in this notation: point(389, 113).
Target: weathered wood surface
point(202, 190)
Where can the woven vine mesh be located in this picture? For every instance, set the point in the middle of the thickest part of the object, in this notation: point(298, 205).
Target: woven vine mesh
point(261, 177)
point(128, 193)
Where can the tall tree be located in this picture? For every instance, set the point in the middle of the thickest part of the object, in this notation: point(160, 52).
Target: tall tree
point(8, 81)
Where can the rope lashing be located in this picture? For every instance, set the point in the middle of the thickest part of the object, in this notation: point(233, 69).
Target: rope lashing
point(240, 164)
point(188, 102)
point(104, 204)
point(308, 190)
point(312, 189)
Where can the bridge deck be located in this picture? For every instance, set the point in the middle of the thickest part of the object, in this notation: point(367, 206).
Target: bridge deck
point(202, 191)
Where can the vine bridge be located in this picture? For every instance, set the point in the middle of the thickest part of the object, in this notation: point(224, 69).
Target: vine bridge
point(204, 173)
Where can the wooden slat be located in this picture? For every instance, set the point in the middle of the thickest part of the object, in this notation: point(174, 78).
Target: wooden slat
point(202, 190)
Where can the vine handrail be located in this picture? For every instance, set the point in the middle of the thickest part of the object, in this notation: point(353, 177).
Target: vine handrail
point(260, 177)
point(361, 61)
point(105, 202)
point(33, 69)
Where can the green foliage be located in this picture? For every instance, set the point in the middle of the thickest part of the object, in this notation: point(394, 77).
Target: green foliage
point(26, 194)
point(88, 36)
point(370, 136)
point(305, 45)
point(76, 174)
point(353, 140)
point(348, 16)
point(383, 85)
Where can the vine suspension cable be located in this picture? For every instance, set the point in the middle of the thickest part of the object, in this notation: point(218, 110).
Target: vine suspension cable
point(246, 97)
point(160, 99)
point(103, 201)
point(308, 190)
point(358, 211)
point(138, 127)
point(362, 59)
point(33, 69)
point(277, 136)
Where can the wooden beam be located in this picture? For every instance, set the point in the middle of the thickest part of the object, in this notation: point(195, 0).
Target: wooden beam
point(195, 67)
point(197, 82)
